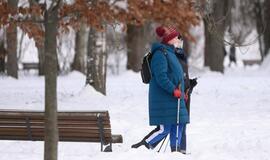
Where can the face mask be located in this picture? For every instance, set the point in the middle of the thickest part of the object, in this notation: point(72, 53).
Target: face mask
point(178, 44)
point(181, 43)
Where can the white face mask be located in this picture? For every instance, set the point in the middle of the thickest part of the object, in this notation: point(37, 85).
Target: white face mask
point(181, 43)
point(178, 44)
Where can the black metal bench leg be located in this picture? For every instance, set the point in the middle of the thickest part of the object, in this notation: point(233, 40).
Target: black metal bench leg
point(29, 131)
point(101, 131)
point(108, 148)
point(101, 146)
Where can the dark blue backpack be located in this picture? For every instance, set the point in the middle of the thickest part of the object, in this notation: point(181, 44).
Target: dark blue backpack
point(146, 73)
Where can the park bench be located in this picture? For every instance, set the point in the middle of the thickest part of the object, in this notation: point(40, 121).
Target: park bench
point(93, 126)
point(251, 62)
point(29, 66)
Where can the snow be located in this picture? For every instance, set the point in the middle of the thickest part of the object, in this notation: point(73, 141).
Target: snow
point(29, 52)
point(229, 115)
point(196, 49)
point(121, 4)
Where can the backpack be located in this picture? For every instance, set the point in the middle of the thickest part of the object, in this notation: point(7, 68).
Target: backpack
point(146, 73)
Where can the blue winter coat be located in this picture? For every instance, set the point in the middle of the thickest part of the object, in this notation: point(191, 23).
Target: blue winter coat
point(166, 75)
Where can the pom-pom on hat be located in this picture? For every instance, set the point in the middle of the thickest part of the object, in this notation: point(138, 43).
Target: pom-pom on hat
point(166, 33)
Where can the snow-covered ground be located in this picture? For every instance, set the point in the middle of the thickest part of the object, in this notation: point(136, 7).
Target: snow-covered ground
point(230, 115)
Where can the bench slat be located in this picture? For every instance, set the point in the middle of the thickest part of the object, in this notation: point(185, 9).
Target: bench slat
point(37, 118)
point(78, 130)
point(66, 139)
point(61, 134)
point(60, 114)
point(66, 124)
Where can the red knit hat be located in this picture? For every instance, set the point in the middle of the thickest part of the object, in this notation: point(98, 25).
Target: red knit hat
point(166, 33)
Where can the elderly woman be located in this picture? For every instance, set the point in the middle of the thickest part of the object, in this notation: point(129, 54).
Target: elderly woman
point(165, 88)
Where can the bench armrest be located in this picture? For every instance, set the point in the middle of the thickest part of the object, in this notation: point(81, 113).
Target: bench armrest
point(117, 138)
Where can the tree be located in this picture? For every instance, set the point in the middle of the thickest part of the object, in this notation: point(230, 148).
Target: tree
point(96, 60)
point(138, 38)
point(258, 9)
point(3, 52)
point(116, 46)
point(267, 26)
point(12, 65)
point(40, 43)
point(135, 46)
point(214, 34)
point(81, 42)
point(51, 129)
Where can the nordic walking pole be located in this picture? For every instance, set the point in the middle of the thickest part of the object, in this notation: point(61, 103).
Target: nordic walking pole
point(166, 146)
point(177, 118)
point(162, 144)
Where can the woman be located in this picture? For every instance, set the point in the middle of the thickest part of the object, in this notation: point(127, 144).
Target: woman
point(165, 87)
point(189, 85)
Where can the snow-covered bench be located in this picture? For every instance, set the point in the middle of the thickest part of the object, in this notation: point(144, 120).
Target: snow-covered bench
point(93, 126)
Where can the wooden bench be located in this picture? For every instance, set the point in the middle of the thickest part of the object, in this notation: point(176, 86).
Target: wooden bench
point(87, 126)
point(251, 62)
point(29, 66)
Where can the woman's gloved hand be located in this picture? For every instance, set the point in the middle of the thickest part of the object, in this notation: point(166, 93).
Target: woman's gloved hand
point(177, 93)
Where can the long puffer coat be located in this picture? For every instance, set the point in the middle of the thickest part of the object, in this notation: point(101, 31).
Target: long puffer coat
point(167, 73)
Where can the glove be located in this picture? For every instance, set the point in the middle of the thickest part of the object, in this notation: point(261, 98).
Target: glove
point(193, 82)
point(177, 93)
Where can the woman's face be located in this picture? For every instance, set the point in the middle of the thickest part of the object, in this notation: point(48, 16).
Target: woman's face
point(177, 42)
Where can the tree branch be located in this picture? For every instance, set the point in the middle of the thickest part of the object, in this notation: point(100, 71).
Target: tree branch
point(56, 6)
point(21, 20)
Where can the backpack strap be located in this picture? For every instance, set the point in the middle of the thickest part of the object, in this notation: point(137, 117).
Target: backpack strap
point(164, 52)
point(161, 49)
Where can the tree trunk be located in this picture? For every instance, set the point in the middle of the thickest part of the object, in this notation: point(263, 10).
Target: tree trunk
point(97, 61)
point(186, 46)
point(41, 60)
point(259, 26)
point(214, 46)
point(3, 54)
point(267, 25)
point(51, 129)
point(81, 42)
point(136, 46)
point(208, 40)
point(12, 64)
